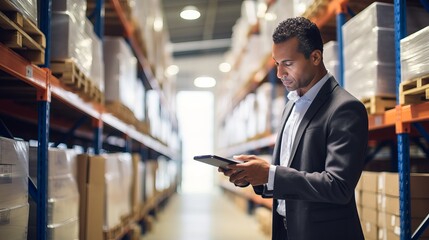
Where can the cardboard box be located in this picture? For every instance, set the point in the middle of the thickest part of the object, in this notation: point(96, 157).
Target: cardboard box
point(369, 200)
point(419, 207)
point(14, 222)
point(92, 189)
point(388, 184)
point(370, 230)
point(369, 215)
point(137, 181)
point(392, 223)
point(369, 181)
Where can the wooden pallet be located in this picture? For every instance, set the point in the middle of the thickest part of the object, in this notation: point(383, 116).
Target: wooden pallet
point(122, 112)
point(95, 94)
point(68, 73)
point(21, 35)
point(414, 91)
point(114, 233)
point(379, 104)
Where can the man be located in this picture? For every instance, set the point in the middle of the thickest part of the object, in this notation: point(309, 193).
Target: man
point(319, 153)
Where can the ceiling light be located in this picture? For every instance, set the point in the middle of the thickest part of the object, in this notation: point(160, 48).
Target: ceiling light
point(224, 67)
point(190, 13)
point(204, 82)
point(172, 70)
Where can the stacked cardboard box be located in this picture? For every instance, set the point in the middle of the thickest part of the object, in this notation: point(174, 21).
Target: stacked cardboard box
point(14, 206)
point(369, 205)
point(415, 55)
point(388, 204)
point(91, 184)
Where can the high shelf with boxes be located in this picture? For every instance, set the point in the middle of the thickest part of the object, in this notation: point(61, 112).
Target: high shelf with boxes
point(62, 105)
point(389, 122)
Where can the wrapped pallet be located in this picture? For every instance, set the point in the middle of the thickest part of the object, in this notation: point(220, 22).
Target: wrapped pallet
point(369, 61)
point(330, 58)
point(28, 8)
point(415, 55)
point(14, 208)
point(120, 72)
point(63, 194)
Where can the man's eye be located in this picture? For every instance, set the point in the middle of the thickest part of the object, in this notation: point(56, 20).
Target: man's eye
point(287, 64)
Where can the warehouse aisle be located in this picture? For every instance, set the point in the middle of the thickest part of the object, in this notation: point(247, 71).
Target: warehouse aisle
point(203, 216)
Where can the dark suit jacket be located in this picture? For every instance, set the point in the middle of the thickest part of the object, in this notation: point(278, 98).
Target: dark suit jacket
point(327, 159)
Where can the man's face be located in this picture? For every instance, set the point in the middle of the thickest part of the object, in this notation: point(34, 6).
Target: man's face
point(294, 70)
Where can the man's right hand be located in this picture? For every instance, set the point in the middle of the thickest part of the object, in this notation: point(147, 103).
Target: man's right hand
point(231, 172)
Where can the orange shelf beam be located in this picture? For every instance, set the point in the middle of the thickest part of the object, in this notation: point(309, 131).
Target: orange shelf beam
point(17, 66)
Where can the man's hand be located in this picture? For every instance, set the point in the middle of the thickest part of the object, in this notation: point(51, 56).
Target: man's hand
point(229, 173)
point(254, 170)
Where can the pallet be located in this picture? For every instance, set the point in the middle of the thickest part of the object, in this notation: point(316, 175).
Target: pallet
point(69, 74)
point(379, 104)
point(114, 233)
point(414, 91)
point(22, 35)
point(122, 112)
point(95, 94)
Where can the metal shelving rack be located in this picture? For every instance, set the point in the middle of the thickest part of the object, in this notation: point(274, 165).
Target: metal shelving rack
point(48, 88)
point(392, 122)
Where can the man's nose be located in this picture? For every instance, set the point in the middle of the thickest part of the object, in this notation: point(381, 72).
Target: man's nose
point(281, 72)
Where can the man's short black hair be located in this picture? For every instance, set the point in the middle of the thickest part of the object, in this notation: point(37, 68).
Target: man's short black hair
point(304, 30)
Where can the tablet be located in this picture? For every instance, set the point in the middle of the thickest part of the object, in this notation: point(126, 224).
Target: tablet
point(216, 160)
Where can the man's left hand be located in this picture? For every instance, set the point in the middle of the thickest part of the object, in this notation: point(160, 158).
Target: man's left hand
point(254, 170)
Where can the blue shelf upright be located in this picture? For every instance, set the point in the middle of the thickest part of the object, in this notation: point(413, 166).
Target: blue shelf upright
point(401, 130)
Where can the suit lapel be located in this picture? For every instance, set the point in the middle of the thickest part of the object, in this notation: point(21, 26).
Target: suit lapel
point(277, 146)
point(318, 101)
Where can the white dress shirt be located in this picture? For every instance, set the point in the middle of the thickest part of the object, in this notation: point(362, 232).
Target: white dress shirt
point(288, 136)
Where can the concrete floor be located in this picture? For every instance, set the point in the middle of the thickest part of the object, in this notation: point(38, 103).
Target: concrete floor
point(210, 216)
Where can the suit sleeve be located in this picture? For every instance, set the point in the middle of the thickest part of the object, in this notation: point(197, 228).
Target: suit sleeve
point(346, 143)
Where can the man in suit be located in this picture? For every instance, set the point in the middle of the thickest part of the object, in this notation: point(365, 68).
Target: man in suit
point(320, 149)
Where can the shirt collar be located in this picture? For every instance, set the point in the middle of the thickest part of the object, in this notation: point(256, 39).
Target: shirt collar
point(311, 94)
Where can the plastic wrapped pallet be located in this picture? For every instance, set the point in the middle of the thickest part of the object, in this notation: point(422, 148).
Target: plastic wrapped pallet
point(120, 71)
point(154, 112)
point(71, 41)
point(126, 170)
point(330, 58)
point(97, 65)
point(63, 194)
point(27, 8)
point(77, 8)
point(139, 110)
point(13, 188)
point(14, 222)
point(14, 173)
point(415, 55)
point(114, 192)
point(369, 62)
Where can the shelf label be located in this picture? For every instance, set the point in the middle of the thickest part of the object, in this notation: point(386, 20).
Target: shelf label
point(378, 121)
point(29, 71)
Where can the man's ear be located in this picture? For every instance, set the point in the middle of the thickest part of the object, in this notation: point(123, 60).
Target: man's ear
point(316, 57)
